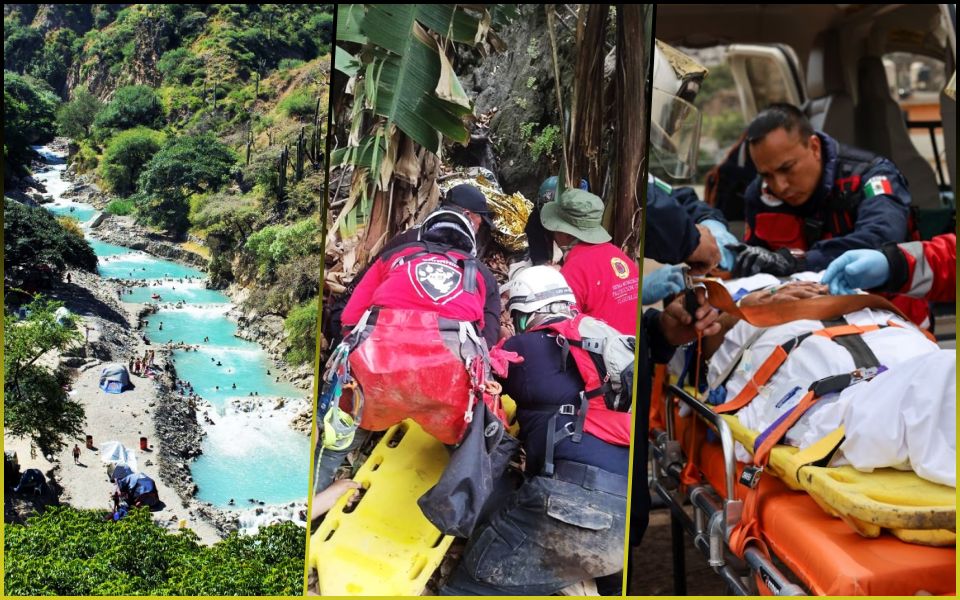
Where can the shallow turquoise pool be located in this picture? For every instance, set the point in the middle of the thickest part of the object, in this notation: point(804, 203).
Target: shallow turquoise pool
point(246, 457)
point(74, 210)
point(175, 290)
point(123, 263)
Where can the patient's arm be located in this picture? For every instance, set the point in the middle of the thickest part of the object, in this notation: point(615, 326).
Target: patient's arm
point(795, 290)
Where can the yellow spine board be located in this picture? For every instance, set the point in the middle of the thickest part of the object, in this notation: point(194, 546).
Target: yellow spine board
point(384, 546)
point(913, 509)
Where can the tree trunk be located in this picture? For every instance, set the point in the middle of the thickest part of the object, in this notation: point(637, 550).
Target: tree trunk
point(377, 230)
point(631, 117)
point(587, 110)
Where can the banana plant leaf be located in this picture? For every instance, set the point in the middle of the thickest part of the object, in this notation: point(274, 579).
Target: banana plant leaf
point(348, 23)
point(409, 69)
point(345, 62)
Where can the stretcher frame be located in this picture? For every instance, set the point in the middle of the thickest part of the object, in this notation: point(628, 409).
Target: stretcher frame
point(714, 517)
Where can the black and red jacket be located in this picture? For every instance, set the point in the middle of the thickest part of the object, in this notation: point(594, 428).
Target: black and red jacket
point(862, 201)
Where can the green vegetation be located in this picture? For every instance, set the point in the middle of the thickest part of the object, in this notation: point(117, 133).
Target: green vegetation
point(126, 156)
point(201, 119)
point(35, 104)
point(37, 248)
point(300, 103)
point(543, 144)
point(185, 165)
point(121, 208)
point(28, 118)
point(725, 122)
point(179, 66)
point(301, 327)
point(725, 127)
point(66, 551)
point(719, 79)
point(35, 404)
point(86, 158)
point(277, 244)
point(75, 118)
point(21, 45)
point(131, 106)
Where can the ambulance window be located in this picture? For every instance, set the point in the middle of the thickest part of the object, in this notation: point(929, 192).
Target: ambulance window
point(915, 83)
point(909, 74)
point(766, 81)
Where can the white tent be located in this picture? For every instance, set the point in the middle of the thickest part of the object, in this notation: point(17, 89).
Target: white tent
point(61, 315)
point(117, 453)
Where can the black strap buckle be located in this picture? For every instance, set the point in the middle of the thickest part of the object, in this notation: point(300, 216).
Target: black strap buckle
point(833, 383)
point(750, 476)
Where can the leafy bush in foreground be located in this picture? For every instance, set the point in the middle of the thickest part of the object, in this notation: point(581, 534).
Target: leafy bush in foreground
point(66, 551)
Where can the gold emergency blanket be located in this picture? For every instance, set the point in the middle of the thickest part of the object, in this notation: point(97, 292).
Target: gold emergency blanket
point(509, 212)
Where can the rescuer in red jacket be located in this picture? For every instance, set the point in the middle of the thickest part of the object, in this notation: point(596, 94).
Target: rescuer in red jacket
point(413, 347)
point(604, 280)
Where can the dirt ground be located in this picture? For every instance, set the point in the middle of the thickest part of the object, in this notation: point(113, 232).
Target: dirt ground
point(111, 417)
point(653, 564)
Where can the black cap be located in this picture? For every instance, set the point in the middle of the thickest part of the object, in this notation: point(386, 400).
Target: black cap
point(469, 197)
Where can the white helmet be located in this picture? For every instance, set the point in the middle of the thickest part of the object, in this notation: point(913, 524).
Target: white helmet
point(533, 288)
point(447, 219)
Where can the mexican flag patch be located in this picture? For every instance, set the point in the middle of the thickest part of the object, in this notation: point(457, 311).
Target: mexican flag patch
point(877, 186)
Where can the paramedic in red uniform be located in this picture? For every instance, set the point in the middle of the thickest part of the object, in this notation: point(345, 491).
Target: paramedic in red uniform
point(604, 280)
point(814, 198)
point(925, 270)
point(469, 201)
point(420, 301)
point(395, 281)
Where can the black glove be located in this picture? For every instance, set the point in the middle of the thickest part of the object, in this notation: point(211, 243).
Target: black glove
point(756, 259)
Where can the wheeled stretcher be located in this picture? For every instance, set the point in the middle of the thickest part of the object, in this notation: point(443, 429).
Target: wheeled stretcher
point(809, 548)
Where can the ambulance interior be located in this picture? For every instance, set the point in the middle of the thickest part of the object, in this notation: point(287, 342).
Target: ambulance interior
point(882, 78)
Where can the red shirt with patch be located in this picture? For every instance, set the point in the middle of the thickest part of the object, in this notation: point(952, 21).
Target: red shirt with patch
point(413, 280)
point(606, 284)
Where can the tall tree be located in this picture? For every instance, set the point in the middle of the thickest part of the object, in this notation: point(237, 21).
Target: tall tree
point(608, 126)
point(75, 118)
point(35, 404)
point(37, 248)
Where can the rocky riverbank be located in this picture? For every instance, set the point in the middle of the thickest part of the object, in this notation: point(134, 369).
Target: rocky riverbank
point(123, 231)
point(266, 330)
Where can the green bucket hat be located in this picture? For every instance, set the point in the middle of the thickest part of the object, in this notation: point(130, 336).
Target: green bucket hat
point(578, 213)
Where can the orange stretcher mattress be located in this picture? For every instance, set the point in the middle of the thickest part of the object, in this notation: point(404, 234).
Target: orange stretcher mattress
point(828, 556)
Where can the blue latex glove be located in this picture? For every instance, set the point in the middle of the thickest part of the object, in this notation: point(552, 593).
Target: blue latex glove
point(863, 269)
point(662, 283)
point(727, 256)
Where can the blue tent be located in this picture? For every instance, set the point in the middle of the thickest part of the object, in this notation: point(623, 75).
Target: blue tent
point(114, 379)
point(139, 489)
